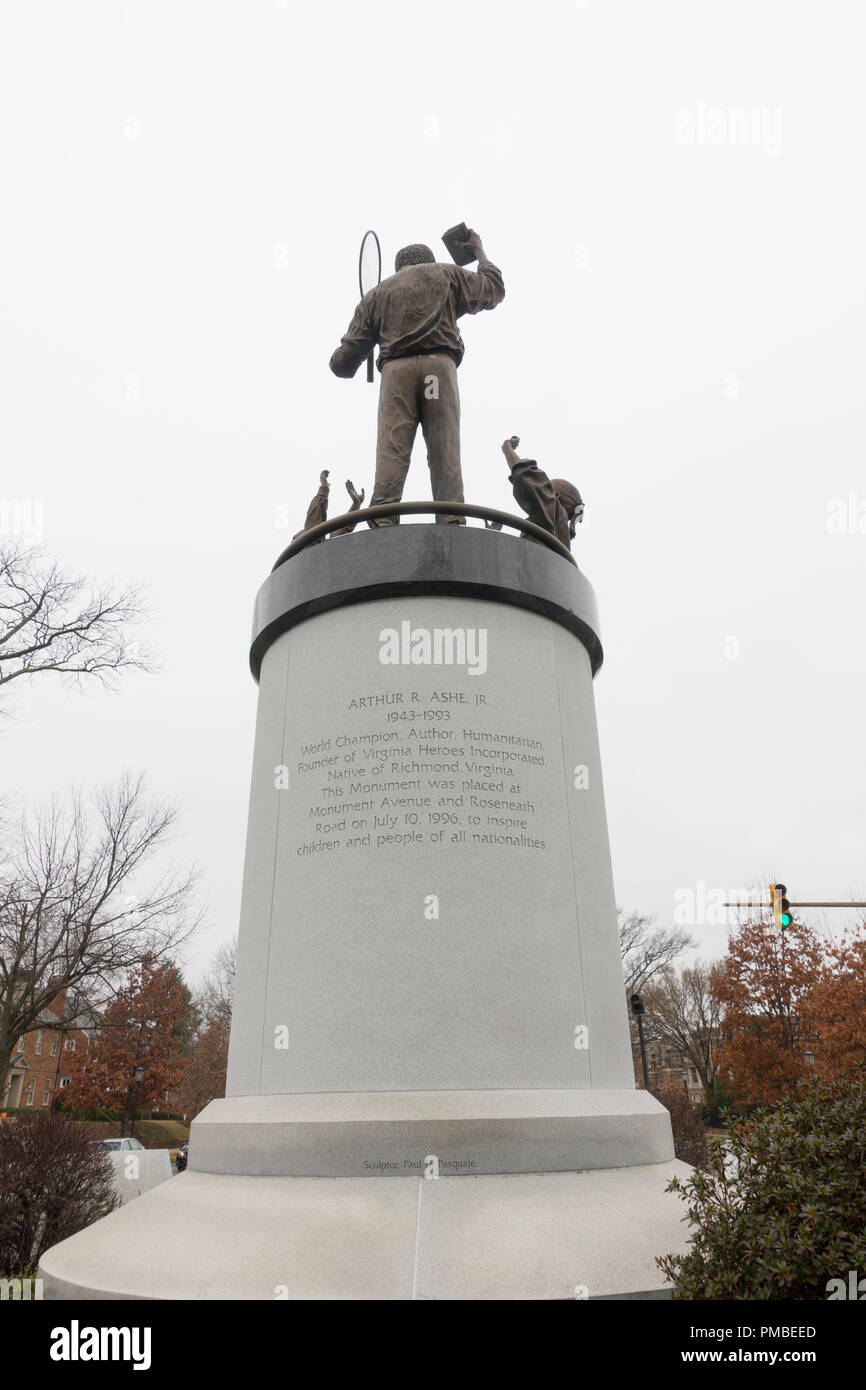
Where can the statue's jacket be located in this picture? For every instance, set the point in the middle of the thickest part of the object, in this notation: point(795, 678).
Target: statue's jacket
point(415, 313)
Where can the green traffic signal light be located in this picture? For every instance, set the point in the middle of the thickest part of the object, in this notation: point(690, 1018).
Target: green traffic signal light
point(781, 907)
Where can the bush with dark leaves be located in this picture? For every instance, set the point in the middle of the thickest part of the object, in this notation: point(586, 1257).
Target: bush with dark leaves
point(690, 1132)
point(782, 1212)
point(54, 1180)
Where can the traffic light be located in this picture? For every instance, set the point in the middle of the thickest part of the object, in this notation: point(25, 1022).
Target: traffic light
point(781, 907)
point(636, 1005)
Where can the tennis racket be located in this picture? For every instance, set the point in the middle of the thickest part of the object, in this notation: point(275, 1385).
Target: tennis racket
point(369, 276)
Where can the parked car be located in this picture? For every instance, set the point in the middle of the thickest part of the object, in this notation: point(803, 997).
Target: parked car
point(182, 1156)
point(121, 1145)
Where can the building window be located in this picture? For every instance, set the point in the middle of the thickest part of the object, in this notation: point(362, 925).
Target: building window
point(70, 1044)
point(65, 1080)
point(55, 1043)
point(46, 1094)
point(40, 1038)
point(30, 1091)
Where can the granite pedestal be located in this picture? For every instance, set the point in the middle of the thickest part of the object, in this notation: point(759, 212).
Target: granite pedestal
point(430, 1072)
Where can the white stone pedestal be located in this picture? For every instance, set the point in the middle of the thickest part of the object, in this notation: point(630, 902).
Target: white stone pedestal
point(523, 1236)
point(428, 974)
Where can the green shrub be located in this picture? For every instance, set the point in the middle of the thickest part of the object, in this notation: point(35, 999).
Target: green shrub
point(782, 1209)
point(719, 1105)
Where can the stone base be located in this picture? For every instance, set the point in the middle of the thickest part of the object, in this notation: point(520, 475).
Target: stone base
point(516, 1236)
point(150, 1168)
point(373, 1133)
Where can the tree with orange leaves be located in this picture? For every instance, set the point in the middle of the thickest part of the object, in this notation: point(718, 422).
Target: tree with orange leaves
point(764, 986)
point(204, 1072)
point(835, 1012)
point(147, 1024)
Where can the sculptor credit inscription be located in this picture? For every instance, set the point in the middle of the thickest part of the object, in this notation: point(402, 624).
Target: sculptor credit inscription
point(438, 768)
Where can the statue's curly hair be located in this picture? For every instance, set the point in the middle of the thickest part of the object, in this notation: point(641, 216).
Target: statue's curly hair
point(417, 254)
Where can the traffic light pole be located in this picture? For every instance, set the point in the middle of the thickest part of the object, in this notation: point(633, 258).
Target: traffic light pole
point(781, 906)
point(797, 904)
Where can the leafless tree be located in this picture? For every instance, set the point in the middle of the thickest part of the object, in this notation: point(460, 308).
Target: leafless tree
point(682, 1013)
point(54, 1181)
point(75, 910)
point(646, 948)
point(204, 1075)
point(54, 621)
point(214, 996)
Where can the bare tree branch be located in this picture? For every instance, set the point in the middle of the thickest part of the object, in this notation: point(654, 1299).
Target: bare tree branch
point(58, 622)
point(646, 949)
point(75, 911)
point(683, 1012)
point(214, 996)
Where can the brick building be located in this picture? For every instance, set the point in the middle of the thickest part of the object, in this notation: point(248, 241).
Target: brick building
point(666, 1067)
point(39, 1069)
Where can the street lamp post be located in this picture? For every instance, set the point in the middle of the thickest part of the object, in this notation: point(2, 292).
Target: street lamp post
point(138, 1073)
point(637, 1009)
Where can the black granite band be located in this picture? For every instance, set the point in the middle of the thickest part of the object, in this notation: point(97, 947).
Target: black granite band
point(460, 561)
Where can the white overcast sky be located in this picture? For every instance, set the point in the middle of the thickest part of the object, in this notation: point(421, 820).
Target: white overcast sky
point(184, 187)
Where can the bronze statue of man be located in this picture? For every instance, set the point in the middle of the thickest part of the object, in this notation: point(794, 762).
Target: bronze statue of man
point(553, 503)
point(412, 316)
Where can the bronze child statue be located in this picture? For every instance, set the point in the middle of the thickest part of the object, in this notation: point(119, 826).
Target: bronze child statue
point(553, 503)
point(318, 508)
